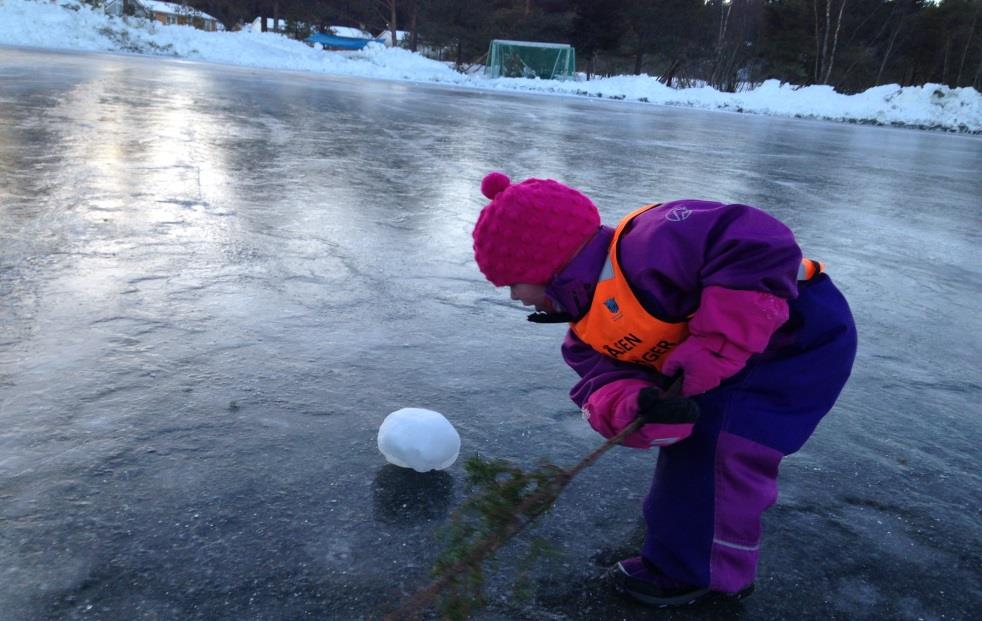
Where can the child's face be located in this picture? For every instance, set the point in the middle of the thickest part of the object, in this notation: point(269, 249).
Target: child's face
point(531, 295)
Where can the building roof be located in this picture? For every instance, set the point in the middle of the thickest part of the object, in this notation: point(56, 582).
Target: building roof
point(401, 35)
point(171, 8)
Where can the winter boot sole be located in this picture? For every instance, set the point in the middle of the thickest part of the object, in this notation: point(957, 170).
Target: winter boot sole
point(691, 598)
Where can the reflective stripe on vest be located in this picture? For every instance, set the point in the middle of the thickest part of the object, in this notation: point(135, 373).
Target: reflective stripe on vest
point(618, 326)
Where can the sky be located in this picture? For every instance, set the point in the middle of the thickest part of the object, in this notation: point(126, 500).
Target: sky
point(67, 26)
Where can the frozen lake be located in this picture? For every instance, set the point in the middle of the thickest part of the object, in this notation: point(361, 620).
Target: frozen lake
point(216, 282)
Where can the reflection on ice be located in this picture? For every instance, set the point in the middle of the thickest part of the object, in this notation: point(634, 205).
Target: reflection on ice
point(404, 496)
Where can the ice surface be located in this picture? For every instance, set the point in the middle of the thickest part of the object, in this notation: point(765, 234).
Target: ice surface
point(420, 439)
point(209, 274)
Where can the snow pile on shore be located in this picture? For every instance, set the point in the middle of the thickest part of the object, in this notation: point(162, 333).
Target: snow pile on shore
point(72, 26)
point(932, 106)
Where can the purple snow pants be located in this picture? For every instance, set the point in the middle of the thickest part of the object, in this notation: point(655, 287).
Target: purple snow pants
point(709, 491)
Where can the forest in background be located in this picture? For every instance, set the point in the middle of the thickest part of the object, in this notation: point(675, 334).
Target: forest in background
point(850, 45)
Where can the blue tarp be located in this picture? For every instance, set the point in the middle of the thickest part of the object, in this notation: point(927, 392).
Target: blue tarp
point(343, 43)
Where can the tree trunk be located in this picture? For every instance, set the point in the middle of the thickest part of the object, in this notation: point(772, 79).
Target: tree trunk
point(835, 42)
point(724, 20)
point(825, 40)
point(886, 54)
point(392, 22)
point(262, 21)
point(669, 74)
point(856, 31)
point(818, 44)
point(730, 77)
point(414, 35)
point(944, 64)
point(968, 43)
point(276, 17)
point(638, 60)
point(718, 73)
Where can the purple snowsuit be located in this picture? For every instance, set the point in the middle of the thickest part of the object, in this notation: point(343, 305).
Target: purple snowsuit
point(704, 509)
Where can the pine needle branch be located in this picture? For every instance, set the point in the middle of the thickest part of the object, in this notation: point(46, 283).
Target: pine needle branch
point(506, 522)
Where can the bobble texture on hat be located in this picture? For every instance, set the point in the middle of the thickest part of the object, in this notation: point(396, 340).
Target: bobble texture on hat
point(530, 230)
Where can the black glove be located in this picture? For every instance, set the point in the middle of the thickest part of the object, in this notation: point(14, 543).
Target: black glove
point(656, 407)
point(547, 317)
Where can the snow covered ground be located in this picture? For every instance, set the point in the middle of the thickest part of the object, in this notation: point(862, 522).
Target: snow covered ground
point(67, 25)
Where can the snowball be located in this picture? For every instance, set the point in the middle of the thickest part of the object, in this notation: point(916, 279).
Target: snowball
point(420, 439)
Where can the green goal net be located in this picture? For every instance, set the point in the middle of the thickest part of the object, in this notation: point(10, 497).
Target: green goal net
point(528, 59)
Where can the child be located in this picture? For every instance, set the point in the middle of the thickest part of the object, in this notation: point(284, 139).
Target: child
point(720, 294)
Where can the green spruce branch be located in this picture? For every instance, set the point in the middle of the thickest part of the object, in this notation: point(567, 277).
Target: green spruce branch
point(511, 501)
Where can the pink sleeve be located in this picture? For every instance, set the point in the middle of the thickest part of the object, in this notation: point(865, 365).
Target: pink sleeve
point(614, 406)
point(729, 327)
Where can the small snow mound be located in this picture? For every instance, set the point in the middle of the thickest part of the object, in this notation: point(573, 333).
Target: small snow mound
point(420, 439)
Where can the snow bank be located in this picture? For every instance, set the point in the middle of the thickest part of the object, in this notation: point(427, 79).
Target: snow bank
point(932, 106)
point(79, 27)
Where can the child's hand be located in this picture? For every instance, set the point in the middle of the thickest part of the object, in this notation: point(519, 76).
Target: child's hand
point(613, 407)
point(653, 407)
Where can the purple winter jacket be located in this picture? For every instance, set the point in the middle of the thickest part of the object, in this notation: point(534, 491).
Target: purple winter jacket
point(684, 257)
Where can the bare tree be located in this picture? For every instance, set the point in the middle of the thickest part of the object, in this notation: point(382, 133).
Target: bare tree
point(835, 42)
point(969, 37)
point(947, 54)
point(886, 53)
point(725, 8)
point(735, 39)
point(413, 19)
point(388, 8)
point(825, 57)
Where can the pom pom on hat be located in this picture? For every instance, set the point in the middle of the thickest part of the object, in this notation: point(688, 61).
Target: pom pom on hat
point(530, 230)
point(493, 184)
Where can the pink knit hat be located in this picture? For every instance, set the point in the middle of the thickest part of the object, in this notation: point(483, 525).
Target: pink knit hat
point(530, 230)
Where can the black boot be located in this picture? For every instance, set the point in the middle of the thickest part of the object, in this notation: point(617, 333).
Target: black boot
point(640, 580)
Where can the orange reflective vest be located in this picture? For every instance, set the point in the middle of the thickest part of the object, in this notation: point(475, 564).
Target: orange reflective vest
point(618, 326)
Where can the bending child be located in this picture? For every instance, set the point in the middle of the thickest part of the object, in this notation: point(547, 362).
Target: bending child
point(718, 293)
